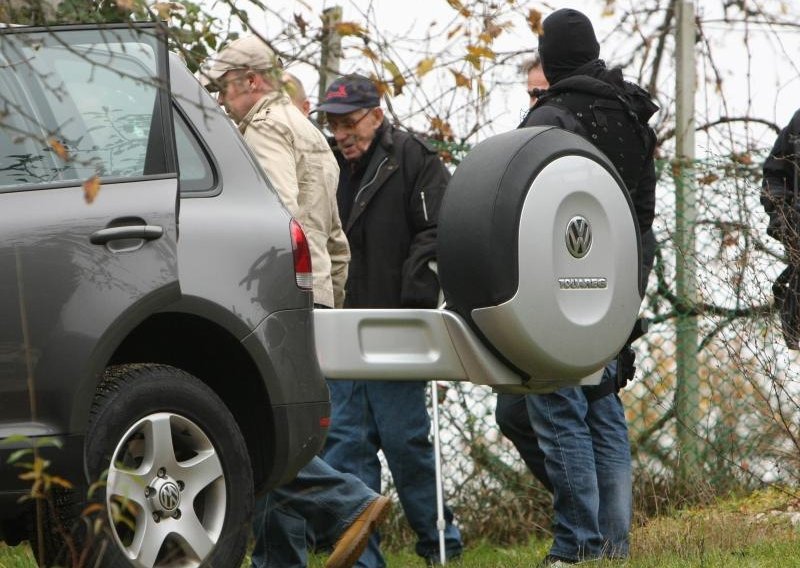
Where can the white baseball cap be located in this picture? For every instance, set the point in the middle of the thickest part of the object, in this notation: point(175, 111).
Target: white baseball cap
point(249, 52)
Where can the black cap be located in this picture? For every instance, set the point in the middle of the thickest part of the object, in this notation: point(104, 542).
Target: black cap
point(350, 93)
point(566, 43)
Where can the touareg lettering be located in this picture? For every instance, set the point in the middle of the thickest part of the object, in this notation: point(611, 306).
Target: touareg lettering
point(583, 283)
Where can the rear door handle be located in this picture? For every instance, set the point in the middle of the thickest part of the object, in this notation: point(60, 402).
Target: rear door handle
point(146, 232)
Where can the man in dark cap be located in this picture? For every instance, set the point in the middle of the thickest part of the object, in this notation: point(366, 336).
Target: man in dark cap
point(576, 439)
point(390, 186)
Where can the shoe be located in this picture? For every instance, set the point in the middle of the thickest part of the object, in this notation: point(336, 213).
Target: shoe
point(436, 560)
point(551, 561)
point(354, 539)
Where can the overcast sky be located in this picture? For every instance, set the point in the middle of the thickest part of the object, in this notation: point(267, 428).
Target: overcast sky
point(773, 92)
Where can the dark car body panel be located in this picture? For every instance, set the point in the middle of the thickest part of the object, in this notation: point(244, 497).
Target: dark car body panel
point(69, 308)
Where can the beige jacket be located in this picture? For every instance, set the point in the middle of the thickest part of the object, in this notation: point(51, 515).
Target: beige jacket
point(301, 166)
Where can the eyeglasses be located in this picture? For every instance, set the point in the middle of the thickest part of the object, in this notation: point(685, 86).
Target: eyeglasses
point(335, 124)
point(219, 86)
point(536, 92)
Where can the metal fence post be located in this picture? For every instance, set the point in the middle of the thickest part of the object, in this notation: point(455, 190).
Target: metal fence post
point(687, 384)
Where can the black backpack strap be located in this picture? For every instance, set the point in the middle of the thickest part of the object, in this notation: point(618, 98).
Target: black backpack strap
point(626, 368)
point(597, 392)
point(641, 129)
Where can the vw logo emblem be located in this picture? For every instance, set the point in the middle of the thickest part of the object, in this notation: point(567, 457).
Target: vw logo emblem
point(169, 496)
point(579, 236)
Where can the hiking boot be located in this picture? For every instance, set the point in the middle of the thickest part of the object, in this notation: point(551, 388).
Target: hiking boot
point(551, 561)
point(436, 559)
point(354, 539)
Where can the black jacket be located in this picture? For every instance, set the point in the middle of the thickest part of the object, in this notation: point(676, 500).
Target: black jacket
point(391, 224)
point(610, 103)
point(779, 187)
point(779, 196)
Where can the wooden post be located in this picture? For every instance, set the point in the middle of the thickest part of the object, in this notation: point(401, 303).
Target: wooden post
point(331, 53)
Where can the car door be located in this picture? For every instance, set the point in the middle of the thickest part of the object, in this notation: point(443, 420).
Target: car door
point(88, 210)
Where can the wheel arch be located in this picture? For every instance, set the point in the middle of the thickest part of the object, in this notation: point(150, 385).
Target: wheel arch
point(213, 354)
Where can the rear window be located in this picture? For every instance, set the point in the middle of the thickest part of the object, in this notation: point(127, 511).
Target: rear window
point(78, 104)
point(196, 173)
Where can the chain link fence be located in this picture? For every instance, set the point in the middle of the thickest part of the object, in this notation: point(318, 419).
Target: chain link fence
point(737, 428)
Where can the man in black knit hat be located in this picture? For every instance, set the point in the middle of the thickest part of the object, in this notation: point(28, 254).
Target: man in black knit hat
point(576, 440)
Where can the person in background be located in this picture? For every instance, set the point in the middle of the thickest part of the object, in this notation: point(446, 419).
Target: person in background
point(332, 508)
point(297, 93)
point(537, 82)
point(581, 433)
point(390, 188)
point(781, 200)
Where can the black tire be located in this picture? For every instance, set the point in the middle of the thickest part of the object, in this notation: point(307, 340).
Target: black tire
point(144, 502)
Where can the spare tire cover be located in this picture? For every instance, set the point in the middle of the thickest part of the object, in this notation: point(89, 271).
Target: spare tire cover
point(539, 251)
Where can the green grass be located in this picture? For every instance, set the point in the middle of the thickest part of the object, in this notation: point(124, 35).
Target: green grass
point(752, 532)
point(761, 555)
point(16, 557)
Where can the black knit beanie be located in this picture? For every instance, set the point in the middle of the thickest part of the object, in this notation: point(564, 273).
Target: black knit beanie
point(567, 42)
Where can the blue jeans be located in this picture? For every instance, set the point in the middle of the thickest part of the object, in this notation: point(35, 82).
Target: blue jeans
point(367, 416)
point(581, 453)
point(511, 414)
point(588, 461)
point(312, 510)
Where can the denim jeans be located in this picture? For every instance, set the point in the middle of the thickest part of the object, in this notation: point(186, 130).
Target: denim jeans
point(588, 461)
point(581, 453)
point(312, 510)
point(511, 414)
point(367, 416)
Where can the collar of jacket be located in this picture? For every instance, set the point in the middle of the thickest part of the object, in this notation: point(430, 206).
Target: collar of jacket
point(594, 78)
point(262, 103)
point(382, 165)
point(384, 135)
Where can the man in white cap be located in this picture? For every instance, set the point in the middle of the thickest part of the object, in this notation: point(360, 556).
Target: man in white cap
point(247, 78)
point(333, 508)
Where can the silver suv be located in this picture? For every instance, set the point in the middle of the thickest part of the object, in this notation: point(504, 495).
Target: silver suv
point(161, 335)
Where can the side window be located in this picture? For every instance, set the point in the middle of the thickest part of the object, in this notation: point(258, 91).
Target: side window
point(196, 173)
point(25, 157)
point(83, 104)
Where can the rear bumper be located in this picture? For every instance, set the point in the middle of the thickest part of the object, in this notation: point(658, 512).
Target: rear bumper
point(419, 345)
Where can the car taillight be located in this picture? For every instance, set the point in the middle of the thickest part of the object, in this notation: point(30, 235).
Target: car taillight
point(302, 257)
